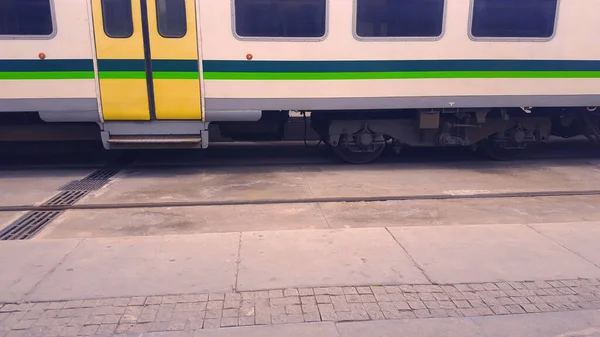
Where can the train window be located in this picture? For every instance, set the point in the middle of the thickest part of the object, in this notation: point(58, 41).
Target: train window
point(399, 18)
point(171, 18)
point(280, 18)
point(26, 18)
point(118, 18)
point(513, 18)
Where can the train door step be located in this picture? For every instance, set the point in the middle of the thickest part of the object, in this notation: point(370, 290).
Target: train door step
point(155, 140)
point(155, 134)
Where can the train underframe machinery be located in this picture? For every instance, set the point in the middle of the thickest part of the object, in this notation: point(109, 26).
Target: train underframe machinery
point(363, 136)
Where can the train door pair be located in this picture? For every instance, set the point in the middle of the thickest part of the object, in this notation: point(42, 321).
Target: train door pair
point(148, 63)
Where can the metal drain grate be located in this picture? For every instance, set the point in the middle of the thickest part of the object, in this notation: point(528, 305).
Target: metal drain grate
point(84, 185)
point(104, 173)
point(28, 225)
point(66, 198)
point(32, 222)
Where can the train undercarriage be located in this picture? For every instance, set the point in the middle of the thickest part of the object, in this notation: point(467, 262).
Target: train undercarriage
point(363, 136)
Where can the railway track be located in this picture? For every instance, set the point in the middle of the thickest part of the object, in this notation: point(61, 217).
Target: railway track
point(109, 206)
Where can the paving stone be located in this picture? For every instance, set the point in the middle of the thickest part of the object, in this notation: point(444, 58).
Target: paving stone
point(423, 313)
point(416, 304)
point(426, 297)
point(515, 309)
point(409, 296)
point(438, 313)
point(287, 319)
point(367, 298)
point(291, 292)
point(335, 291)
point(213, 323)
point(306, 292)
point(327, 312)
point(396, 289)
point(353, 298)
point(345, 316)
point(364, 290)
point(322, 299)
point(69, 331)
point(294, 309)
point(24, 324)
point(275, 293)
point(246, 320)
point(88, 330)
point(520, 300)
point(214, 305)
point(308, 299)
point(73, 304)
point(499, 310)
point(311, 308)
point(229, 322)
point(56, 305)
point(282, 301)
point(261, 294)
point(230, 313)
point(383, 297)
point(217, 297)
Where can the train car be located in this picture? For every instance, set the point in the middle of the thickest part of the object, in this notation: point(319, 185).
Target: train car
point(495, 75)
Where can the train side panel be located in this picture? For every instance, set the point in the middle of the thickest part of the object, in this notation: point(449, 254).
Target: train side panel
point(339, 72)
point(53, 73)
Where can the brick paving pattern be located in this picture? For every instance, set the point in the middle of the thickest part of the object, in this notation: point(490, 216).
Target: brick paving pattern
point(279, 306)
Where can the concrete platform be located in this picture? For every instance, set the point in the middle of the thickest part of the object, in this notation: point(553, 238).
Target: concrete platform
point(200, 184)
point(164, 265)
point(582, 239)
point(288, 259)
point(448, 327)
point(463, 254)
point(33, 187)
point(159, 265)
point(452, 178)
point(565, 324)
point(223, 219)
point(296, 330)
point(462, 212)
point(183, 220)
point(26, 263)
point(285, 182)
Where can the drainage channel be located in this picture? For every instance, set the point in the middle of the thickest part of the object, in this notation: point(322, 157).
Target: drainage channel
point(32, 222)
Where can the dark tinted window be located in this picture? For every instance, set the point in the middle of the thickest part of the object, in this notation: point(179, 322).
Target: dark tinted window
point(280, 18)
point(25, 17)
point(399, 18)
point(171, 18)
point(514, 18)
point(118, 19)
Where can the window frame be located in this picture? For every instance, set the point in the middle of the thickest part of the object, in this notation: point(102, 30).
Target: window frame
point(37, 37)
point(104, 23)
point(280, 39)
point(510, 39)
point(158, 22)
point(396, 38)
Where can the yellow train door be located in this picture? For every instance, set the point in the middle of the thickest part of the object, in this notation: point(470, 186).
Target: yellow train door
point(147, 53)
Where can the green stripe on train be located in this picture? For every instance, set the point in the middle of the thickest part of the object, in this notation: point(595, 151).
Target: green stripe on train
point(175, 75)
point(47, 75)
point(397, 75)
point(109, 75)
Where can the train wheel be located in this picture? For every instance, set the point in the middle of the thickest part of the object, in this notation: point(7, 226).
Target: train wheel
point(354, 155)
point(492, 150)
